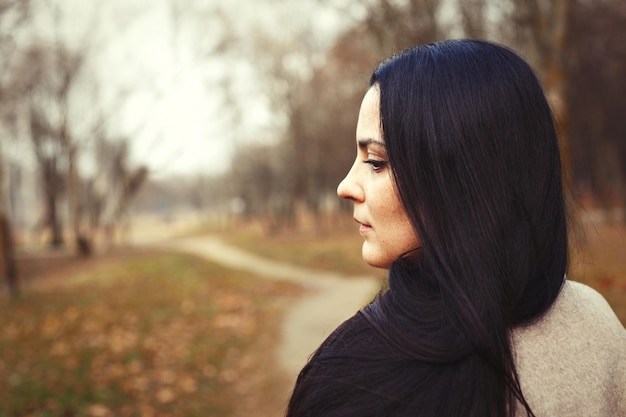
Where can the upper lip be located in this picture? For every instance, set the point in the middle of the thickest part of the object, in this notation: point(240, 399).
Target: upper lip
point(361, 223)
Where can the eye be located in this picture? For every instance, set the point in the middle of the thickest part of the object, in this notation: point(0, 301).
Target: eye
point(377, 165)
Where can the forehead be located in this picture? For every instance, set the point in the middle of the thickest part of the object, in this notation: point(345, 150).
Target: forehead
point(369, 126)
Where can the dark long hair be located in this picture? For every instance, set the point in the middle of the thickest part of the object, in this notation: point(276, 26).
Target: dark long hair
point(474, 153)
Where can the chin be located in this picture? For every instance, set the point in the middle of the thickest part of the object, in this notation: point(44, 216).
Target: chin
point(374, 259)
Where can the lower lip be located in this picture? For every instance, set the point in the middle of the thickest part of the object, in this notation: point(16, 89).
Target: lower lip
point(364, 229)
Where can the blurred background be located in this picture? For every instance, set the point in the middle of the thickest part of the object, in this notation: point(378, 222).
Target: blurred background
point(127, 122)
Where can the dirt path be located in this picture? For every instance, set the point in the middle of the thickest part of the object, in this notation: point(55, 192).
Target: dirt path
point(332, 297)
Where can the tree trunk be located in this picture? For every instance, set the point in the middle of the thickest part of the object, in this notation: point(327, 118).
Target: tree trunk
point(8, 265)
point(53, 221)
point(7, 256)
point(82, 243)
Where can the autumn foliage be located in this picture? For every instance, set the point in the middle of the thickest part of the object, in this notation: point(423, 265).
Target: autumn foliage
point(145, 334)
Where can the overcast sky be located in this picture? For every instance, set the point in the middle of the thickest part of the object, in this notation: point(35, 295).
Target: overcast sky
point(172, 104)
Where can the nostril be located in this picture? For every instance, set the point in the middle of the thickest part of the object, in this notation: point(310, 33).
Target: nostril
point(343, 189)
point(349, 188)
point(349, 191)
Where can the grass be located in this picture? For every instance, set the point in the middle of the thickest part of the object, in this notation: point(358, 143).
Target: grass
point(339, 252)
point(599, 260)
point(142, 334)
point(159, 334)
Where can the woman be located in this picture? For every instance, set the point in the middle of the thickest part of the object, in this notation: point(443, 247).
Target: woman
point(457, 190)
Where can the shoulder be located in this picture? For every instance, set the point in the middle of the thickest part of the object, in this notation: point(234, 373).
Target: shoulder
point(582, 299)
point(574, 355)
point(593, 301)
point(579, 309)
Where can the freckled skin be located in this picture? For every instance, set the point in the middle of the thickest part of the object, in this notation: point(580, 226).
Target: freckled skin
point(385, 226)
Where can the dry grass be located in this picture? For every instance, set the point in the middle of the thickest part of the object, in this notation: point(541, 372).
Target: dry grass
point(169, 335)
point(599, 259)
point(142, 334)
point(339, 251)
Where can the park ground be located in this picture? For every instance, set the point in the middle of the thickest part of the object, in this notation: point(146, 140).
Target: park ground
point(162, 330)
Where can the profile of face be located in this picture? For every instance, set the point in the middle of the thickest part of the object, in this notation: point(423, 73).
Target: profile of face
point(386, 229)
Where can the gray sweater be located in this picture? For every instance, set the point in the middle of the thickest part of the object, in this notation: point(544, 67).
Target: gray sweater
point(572, 362)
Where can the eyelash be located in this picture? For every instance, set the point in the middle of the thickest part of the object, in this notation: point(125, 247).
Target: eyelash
point(376, 164)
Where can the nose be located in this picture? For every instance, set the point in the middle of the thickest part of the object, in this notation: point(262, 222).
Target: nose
point(349, 188)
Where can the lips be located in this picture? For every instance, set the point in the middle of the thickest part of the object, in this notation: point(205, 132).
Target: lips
point(363, 227)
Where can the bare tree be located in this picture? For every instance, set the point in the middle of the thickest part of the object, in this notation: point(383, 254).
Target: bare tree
point(317, 105)
point(109, 194)
point(397, 25)
point(330, 104)
point(473, 18)
point(595, 66)
point(311, 91)
point(49, 157)
point(261, 185)
point(13, 16)
point(101, 201)
point(44, 76)
point(578, 48)
point(48, 76)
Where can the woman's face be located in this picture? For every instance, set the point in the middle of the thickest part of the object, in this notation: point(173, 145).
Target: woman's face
point(384, 224)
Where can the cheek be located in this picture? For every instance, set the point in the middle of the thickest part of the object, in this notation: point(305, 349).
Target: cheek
point(401, 231)
point(395, 212)
point(394, 225)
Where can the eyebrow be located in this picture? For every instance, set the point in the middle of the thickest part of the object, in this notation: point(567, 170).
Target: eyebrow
point(363, 143)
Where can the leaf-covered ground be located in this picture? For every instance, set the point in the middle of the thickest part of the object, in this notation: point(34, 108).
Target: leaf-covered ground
point(143, 334)
point(152, 334)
